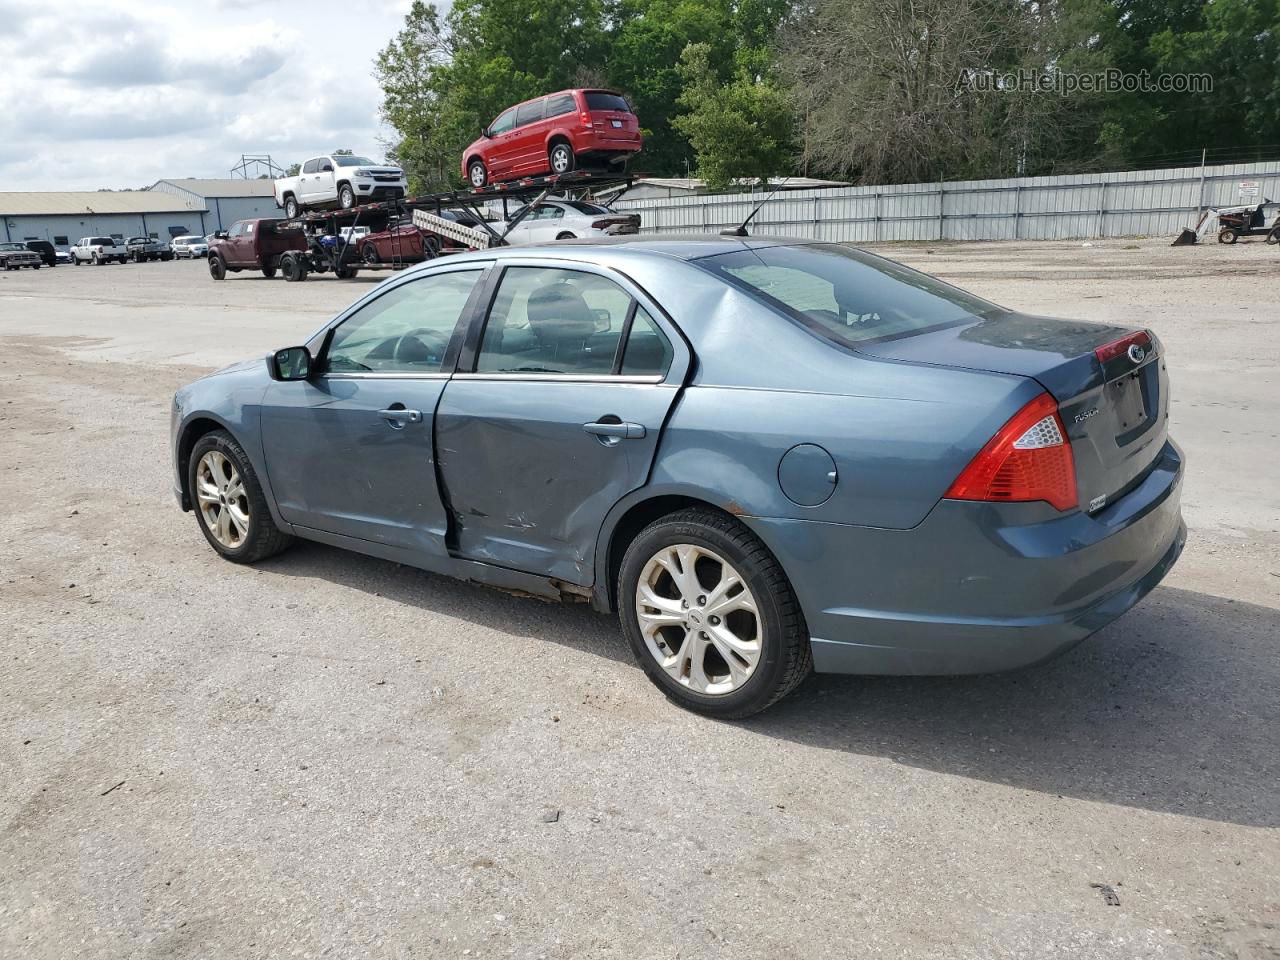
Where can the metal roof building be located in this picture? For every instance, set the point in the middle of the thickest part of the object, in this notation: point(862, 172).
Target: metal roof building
point(63, 217)
point(227, 200)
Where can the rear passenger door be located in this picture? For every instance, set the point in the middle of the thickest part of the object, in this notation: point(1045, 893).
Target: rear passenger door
point(554, 415)
point(530, 137)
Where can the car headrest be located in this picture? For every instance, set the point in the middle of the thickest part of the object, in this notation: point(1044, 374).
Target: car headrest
point(558, 313)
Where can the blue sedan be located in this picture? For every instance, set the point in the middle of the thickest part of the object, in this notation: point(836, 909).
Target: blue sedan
point(766, 456)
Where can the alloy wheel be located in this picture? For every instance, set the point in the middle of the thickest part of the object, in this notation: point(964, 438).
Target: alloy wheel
point(699, 619)
point(223, 500)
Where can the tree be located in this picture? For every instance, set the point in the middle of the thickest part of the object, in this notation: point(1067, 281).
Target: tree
point(737, 129)
point(293, 170)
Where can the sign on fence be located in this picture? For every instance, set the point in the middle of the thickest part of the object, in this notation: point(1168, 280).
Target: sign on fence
point(1248, 189)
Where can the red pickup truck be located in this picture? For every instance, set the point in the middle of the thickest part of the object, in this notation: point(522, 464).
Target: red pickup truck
point(253, 245)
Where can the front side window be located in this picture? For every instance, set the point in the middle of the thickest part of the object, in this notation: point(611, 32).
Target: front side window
point(506, 120)
point(845, 295)
point(406, 330)
point(549, 320)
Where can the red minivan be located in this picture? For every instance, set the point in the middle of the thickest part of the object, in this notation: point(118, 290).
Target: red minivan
point(554, 134)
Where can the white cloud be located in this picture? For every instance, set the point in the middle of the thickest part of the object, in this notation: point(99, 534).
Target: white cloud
point(123, 94)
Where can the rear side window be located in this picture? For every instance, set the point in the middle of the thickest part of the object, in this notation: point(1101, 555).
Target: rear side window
point(311, 166)
point(560, 105)
point(529, 112)
point(60, 241)
point(648, 351)
point(599, 100)
point(548, 320)
point(845, 295)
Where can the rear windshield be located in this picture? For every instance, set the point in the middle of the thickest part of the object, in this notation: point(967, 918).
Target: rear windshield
point(845, 295)
point(590, 209)
point(599, 100)
point(102, 242)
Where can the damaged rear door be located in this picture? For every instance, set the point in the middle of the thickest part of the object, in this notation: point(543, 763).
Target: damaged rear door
point(555, 415)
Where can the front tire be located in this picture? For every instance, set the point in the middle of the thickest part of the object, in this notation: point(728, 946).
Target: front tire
point(268, 270)
point(346, 197)
point(477, 173)
point(1227, 235)
point(217, 268)
point(710, 615)
point(291, 208)
point(229, 503)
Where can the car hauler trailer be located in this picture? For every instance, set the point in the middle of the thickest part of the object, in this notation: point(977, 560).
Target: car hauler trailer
point(331, 239)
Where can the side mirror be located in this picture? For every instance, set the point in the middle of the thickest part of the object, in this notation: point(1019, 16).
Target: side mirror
point(220, 235)
point(291, 363)
point(327, 168)
point(484, 132)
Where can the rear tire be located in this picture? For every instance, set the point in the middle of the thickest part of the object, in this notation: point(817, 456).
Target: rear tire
point(370, 254)
point(561, 158)
point(217, 268)
point(1274, 235)
point(724, 551)
point(566, 236)
point(293, 267)
point(228, 501)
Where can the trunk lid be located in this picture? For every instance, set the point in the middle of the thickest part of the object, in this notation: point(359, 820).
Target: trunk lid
point(1113, 401)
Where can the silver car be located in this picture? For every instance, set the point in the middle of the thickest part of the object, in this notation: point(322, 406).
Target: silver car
point(766, 456)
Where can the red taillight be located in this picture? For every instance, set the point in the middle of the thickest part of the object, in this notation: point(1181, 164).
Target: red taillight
point(585, 118)
point(1109, 351)
point(1029, 458)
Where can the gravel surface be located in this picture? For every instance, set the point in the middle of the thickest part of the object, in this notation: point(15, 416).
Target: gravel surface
point(330, 755)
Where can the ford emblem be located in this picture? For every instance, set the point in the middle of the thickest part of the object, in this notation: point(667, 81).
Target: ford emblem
point(1136, 353)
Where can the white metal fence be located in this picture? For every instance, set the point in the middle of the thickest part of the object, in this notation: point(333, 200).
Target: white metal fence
point(1128, 204)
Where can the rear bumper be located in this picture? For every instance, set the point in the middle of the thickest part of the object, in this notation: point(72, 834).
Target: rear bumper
point(597, 142)
point(978, 588)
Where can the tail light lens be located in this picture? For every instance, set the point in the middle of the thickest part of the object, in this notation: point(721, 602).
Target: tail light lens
point(1109, 351)
point(585, 118)
point(1029, 458)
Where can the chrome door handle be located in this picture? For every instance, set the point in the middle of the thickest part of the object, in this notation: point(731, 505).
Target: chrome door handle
point(398, 417)
point(618, 431)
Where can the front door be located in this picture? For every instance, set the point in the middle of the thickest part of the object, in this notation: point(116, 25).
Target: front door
point(557, 420)
point(350, 451)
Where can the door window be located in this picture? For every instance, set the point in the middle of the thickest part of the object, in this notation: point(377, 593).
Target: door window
point(506, 120)
point(648, 351)
point(552, 321)
point(529, 112)
point(406, 330)
point(311, 166)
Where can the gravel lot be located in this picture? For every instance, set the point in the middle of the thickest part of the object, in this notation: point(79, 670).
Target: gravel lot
point(330, 755)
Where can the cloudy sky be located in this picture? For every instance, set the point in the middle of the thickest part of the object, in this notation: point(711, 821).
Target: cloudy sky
point(110, 93)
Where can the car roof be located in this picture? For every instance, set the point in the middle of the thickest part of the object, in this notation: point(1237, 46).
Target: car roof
point(676, 246)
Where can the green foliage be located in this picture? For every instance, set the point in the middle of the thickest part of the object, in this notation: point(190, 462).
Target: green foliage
point(860, 88)
point(739, 128)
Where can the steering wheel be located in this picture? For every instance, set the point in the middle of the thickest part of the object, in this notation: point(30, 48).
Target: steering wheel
point(424, 339)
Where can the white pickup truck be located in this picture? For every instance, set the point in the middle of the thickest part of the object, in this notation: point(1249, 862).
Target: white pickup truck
point(339, 180)
point(98, 250)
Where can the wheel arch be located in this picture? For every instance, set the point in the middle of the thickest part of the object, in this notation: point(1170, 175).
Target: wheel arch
point(627, 519)
point(198, 426)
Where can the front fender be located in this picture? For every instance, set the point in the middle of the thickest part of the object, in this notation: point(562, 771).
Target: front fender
point(230, 400)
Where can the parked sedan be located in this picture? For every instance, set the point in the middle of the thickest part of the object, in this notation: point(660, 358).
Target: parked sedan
point(571, 220)
point(191, 247)
point(766, 456)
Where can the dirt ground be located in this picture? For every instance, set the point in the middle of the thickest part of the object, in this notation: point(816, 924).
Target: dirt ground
point(332, 756)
